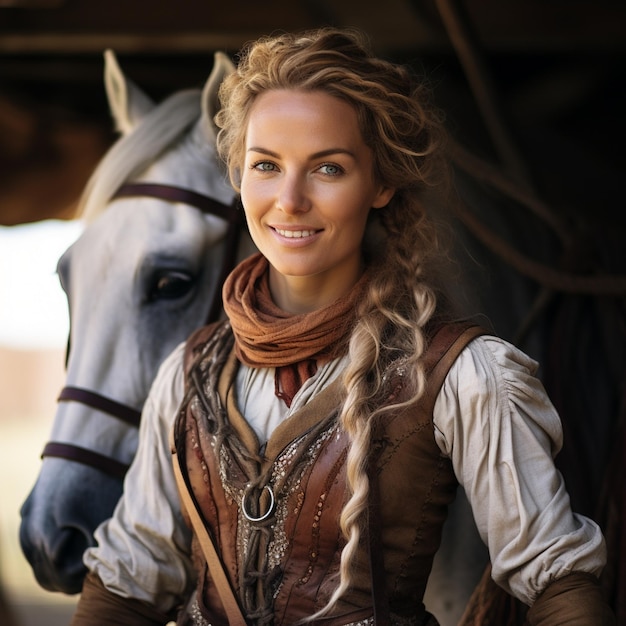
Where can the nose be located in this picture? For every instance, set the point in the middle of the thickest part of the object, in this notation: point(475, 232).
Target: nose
point(293, 195)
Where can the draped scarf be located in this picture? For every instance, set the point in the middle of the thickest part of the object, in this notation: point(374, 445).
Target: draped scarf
point(267, 336)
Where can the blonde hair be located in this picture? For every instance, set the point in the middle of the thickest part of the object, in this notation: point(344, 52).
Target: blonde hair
point(405, 135)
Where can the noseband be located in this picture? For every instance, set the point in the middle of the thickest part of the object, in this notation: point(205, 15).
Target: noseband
point(127, 414)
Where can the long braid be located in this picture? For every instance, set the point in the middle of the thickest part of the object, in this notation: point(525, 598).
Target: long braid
point(383, 335)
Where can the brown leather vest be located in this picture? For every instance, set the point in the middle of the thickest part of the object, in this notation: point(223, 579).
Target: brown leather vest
point(274, 513)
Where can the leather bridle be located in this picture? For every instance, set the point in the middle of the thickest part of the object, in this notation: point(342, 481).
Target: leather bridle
point(125, 413)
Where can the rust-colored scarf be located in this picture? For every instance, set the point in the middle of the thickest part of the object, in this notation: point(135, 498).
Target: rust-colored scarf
point(267, 336)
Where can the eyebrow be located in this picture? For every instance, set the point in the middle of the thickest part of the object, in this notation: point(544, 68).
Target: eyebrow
point(316, 155)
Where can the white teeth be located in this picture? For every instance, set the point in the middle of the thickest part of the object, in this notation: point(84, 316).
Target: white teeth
point(295, 234)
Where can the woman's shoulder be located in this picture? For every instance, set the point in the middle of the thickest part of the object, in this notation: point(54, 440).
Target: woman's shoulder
point(492, 385)
point(168, 382)
point(489, 354)
point(498, 376)
point(197, 341)
point(475, 349)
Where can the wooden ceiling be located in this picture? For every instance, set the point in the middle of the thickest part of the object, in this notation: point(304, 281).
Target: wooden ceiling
point(200, 26)
point(555, 67)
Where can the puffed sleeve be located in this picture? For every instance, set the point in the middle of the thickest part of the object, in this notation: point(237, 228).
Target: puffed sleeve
point(142, 552)
point(495, 421)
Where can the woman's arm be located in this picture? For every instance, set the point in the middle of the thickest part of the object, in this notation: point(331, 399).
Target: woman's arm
point(142, 552)
point(495, 421)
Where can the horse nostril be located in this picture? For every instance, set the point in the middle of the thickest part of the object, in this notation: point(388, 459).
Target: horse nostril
point(70, 548)
point(58, 567)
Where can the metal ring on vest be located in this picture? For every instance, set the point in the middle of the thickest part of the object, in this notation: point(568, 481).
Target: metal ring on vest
point(270, 508)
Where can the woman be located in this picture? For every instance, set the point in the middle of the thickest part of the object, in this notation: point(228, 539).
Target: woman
point(326, 423)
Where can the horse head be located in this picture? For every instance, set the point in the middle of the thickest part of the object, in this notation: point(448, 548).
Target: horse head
point(161, 230)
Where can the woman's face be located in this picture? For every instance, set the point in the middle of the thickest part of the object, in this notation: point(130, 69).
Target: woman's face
point(307, 187)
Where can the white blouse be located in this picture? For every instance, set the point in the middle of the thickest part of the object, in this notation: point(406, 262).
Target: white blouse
point(492, 418)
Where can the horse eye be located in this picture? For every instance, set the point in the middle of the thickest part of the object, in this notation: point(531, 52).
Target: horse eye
point(169, 286)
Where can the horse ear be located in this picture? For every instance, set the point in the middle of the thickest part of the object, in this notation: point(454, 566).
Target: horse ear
point(128, 103)
point(222, 66)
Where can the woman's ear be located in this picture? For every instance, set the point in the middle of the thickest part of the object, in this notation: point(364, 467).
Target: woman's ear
point(383, 197)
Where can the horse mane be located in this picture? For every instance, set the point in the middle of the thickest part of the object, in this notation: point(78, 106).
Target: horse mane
point(132, 153)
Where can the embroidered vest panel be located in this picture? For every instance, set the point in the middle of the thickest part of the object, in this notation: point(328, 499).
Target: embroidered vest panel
point(274, 518)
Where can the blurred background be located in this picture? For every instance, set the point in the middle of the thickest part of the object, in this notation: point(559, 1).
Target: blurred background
point(33, 333)
point(553, 72)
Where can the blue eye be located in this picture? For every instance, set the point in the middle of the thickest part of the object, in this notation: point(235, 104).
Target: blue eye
point(331, 169)
point(264, 166)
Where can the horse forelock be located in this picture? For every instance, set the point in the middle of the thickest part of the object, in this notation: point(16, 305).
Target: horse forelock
point(160, 130)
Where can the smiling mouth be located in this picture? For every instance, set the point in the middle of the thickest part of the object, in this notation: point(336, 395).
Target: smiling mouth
point(295, 234)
